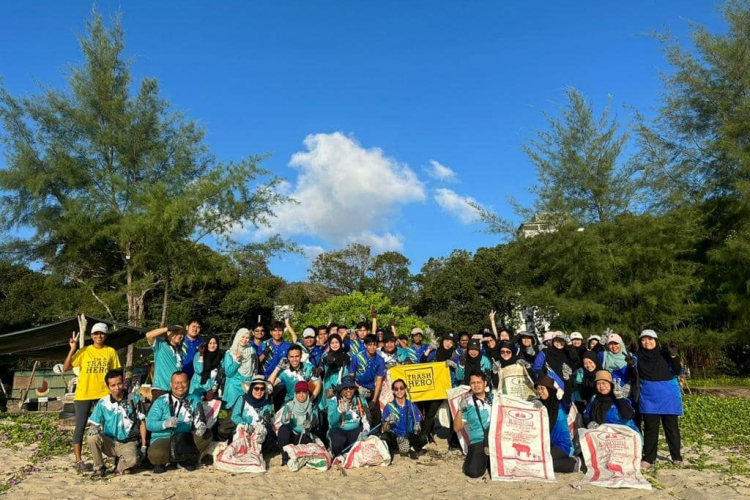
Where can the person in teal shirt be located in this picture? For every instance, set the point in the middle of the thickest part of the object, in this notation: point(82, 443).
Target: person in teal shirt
point(176, 412)
point(117, 427)
point(240, 365)
point(474, 411)
point(473, 361)
point(291, 370)
point(207, 364)
point(255, 410)
point(299, 419)
point(348, 417)
point(167, 356)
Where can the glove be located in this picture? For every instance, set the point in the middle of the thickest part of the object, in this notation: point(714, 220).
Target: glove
point(318, 371)
point(307, 425)
point(624, 391)
point(200, 429)
point(365, 393)
point(249, 429)
point(630, 360)
point(210, 395)
point(408, 362)
point(462, 360)
point(362, 435)
point(283, 364)
point(672, 350)
point(144, 448)
point(433, 343)
point(566, 371)
point(169, 423)
point(330, 360)
point(391, 363)
point(538, 404)
point(463, 403)
point(267, 351)
point(524, 363)
point(451, 364)
point(530, 350)
point(95, 430)
point(267, 419)
point(343, 407)
point(592, 425)
point(392, 419)
point(329, 393)
point(496, 366)
point(417, 428)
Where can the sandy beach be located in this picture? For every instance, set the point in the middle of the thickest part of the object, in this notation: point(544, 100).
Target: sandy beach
point(437, 474)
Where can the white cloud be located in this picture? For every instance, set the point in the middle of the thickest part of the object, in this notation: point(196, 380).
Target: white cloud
point(345, 193)
point(456, 205)
point(440, 172)
point(311, 251)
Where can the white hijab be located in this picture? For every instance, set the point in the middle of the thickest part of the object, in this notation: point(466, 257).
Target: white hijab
point(249, 361)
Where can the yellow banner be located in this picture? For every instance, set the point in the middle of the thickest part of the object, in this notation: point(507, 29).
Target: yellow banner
point(426, 381)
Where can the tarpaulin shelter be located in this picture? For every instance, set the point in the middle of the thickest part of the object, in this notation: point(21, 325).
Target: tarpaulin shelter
point(50, 342)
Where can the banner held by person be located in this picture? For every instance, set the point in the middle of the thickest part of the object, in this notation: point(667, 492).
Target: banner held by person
point(426, 381)
point(519, 441)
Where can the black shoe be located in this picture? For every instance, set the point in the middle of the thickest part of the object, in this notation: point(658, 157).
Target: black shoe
point(187, 466)
point(159, 469)
point(413, 455)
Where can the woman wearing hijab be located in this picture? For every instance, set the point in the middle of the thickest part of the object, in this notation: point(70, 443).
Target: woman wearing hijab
point(348, 417)
point(609, 405)
point(445, 352)
point(527, 348)
point(473, 362)
point(660, 397)
point(585, 378)
point(299, 419)
point(206, 363)
point(617, 360)
point(255, 409)
point(555, 362)
point(561, 445)
point(595, 344)
point(240, 365)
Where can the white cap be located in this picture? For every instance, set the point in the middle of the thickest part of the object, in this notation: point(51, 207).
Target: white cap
point(308, 332)
point(100, 327)
point(576, 335)
point(648, 333)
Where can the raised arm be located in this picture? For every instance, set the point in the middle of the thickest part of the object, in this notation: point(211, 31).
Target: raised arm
point(494, 325)
point(73, 342)
point(288, 327)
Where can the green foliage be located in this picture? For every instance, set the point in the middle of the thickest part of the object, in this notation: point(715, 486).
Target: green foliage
point(356, 307)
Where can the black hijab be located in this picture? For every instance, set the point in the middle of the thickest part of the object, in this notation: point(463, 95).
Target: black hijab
point(513, 357)
point(653, 364)
point(472, 365)
point(492, 352)
point(601, 406)
point(551, 403)
point(340, 358)
point(587, 388)
point(211, 360)
point(444, 354)
point(254, 402)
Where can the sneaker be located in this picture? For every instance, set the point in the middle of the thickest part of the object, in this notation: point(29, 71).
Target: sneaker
point(413, 455)
point(99, 473)
point(80, 467)
point(678, 463)
point(645, 465)
point(159, 469)
point(186, 466)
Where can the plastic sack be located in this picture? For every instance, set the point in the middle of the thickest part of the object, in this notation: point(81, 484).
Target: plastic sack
point(370, 452)
point(454, 396)
point(613, 457)
point(519, 441)
point(514, 380)
point(211, 410)
point(313, 455)
point(243, 454)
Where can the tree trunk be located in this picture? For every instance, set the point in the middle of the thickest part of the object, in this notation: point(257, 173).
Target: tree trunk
point(132, 318)
point(165, 301)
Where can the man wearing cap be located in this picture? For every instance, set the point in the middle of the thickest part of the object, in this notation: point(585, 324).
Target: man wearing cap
point(190, 345)
point(93, 362)
point(415, 352)
point(167, 356)
point(348, 416)
point(368, 370)
point(311, 353)
point(291, 370)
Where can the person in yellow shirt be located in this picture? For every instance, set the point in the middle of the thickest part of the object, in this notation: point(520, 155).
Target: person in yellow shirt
point(93, 361)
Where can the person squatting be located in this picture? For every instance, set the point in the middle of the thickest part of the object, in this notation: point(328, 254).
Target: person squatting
point(328, 386)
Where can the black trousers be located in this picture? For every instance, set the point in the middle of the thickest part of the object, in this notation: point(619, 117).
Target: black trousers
point(671, 426)
point(476, 462)
point(561, 462)
point(415, 441)
point(430, 413)
point(340, 439)
point(288, 436)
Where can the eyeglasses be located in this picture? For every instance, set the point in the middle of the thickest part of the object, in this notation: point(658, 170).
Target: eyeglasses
point(399, 388)
point(505, 351)
point(258, 388)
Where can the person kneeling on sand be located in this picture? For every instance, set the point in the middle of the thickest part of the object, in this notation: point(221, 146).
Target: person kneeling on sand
point(173, 417)
point(402, 423)
point(116, 427)
point(474, 412)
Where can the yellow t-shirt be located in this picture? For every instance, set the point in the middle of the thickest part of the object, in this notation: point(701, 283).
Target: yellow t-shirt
point(94, 364)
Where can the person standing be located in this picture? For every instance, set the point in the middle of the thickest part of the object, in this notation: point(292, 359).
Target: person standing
point(93, 361)
point(167, 357)
point(368, 369)
point(190, 346)
point(207, 365)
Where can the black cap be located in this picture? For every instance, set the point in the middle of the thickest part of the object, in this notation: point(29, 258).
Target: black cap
point(450, 336)
point(474, 344)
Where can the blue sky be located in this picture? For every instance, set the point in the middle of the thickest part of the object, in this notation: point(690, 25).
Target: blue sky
point(383, 116)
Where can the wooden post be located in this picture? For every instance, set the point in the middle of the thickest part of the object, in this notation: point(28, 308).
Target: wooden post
point(28, 386)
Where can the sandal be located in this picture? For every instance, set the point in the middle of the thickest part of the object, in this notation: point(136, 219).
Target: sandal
point(80, 467)
point(99, 473)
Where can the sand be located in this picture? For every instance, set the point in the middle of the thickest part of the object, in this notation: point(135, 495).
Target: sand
point(435, 475)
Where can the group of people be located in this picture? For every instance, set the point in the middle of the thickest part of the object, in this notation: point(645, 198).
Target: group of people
point(326, 387)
